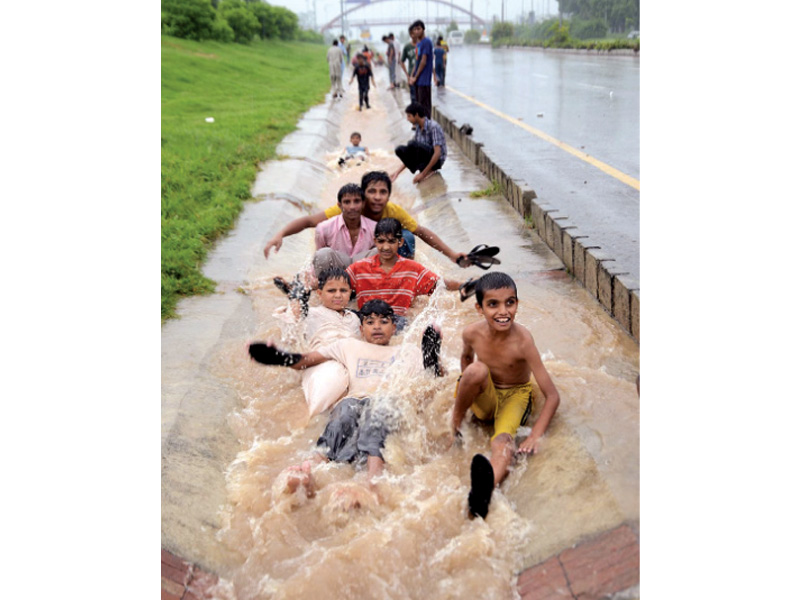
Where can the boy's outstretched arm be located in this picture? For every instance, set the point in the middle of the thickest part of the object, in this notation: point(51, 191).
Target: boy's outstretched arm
point(395, 175)
point(551, 402)
point(296, 226)
point(268, 354)
point(434, 241)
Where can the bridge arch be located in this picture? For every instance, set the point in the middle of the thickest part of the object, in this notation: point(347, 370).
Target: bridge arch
point(338, 20)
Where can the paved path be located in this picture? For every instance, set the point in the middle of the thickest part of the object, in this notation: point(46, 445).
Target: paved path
point(606, 566)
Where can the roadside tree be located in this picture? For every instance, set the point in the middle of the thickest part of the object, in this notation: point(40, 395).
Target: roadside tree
point(190, 19)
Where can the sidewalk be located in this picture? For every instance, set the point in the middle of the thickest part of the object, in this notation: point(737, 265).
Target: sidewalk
point(606, 566)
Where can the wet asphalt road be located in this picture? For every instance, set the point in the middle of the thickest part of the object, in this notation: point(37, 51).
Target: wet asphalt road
point(587, 102)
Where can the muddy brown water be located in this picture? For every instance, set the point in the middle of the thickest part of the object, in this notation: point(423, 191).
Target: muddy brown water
point(230, 427)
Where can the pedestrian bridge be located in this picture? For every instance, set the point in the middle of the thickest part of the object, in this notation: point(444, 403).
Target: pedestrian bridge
point(464, 17)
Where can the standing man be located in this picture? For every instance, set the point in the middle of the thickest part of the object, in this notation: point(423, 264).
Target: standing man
point(409, 55)
point(391, 61)
point(424, 69)
point(335, 61)
point(397, 52)
point(345, 53)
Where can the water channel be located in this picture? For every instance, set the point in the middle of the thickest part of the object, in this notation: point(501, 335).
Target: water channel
point(230, 427)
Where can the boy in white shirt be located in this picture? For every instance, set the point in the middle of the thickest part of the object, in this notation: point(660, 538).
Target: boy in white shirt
point(327, 382)
point(356, 429)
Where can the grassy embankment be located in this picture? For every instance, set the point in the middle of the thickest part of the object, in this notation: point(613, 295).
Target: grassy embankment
point(255, 94)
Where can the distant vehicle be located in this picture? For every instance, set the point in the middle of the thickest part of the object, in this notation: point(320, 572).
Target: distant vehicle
point(484, 38)
point(633, 35)
point(455, 38)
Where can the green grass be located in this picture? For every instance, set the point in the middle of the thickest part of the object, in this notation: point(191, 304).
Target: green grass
point(610, 43)
point(255, 94)
point(493, 189)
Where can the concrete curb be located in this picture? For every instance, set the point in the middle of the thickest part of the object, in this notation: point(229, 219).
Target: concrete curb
point(611, 286)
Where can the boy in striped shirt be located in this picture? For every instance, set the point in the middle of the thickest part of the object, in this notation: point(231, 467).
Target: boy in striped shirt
point(390, 277)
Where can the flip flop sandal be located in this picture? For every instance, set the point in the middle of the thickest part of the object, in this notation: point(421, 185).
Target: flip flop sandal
point(281, 284)
point(480, 256)
point(431, 347)
point(301, 294)
point(467, 289)
point(482, 484)
point(270, 355)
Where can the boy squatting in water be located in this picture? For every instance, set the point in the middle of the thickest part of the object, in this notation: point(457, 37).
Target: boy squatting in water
point(497, 359)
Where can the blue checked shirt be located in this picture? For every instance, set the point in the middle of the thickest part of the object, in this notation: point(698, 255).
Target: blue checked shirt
point(431, 133)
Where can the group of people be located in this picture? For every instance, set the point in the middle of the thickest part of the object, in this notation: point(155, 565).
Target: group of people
point(365, 255)
point(426, 64)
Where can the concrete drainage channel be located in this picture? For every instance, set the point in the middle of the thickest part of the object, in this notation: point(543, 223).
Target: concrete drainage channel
point(588, 263)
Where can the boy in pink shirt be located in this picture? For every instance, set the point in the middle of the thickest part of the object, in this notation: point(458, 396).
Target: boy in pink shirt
point(347, 237)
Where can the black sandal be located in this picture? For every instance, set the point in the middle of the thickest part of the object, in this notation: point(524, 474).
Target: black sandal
point(482, 485)
point(467, 289)
point(481, 256)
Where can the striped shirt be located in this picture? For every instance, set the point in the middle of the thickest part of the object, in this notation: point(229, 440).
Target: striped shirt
point(431, 133)
point(407, 280)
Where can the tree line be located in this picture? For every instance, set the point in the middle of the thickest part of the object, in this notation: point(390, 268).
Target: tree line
point(618, 16)
point(231, 21)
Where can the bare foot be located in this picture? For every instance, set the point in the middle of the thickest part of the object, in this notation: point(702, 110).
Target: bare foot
point(354, 496)
point(300, 475)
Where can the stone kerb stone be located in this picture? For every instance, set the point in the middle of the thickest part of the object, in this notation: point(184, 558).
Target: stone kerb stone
point(569, 238)
point(624, 285)
point(593, 258)
point(635, 314)
point(607, 271)
point(560, 226)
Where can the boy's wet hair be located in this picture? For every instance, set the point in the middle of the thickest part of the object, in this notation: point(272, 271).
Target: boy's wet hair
point(389, 226)
point(417, 23)
point(418, 110)
point(493, 281)
point(349, 189)
point(355, 133)
point(380, 308)
point(371, 176)
point(326, 275)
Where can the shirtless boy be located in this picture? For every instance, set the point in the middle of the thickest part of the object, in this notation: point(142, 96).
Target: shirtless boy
point(497, 360)
point(377, 187)
point(357, 429)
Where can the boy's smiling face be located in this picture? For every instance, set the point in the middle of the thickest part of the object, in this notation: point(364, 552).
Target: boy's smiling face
point(351, 205)
point(378, 329)
point(335, 294)
point(499, 308)
point(377, 194)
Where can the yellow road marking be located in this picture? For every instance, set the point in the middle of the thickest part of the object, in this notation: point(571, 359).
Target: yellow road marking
point(609, 170)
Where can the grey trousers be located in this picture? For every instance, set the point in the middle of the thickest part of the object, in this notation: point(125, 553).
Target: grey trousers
point(325, 258)
point(354, 431)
